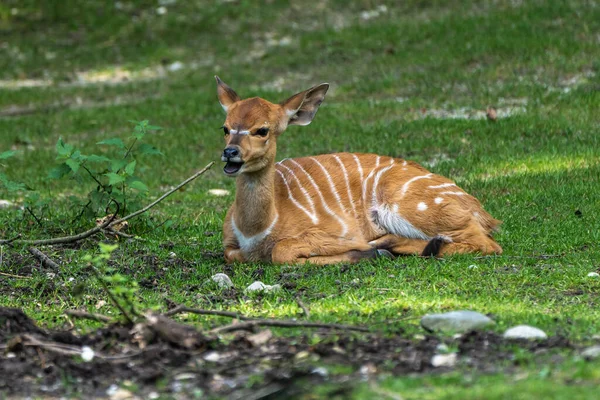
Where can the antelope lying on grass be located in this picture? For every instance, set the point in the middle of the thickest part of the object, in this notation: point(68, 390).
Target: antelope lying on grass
point(334, 207)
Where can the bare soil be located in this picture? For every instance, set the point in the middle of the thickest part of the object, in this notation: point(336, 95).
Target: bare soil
point(35, 361)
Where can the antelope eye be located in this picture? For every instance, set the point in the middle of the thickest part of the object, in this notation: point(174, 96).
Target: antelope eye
point(225, 130)
point(262, 132)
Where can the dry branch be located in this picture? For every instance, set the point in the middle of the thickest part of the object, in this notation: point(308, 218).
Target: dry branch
point(87, 315)
point(174, 332)
point(184, 309)
point(110, 222)
point(283, 324)
point(303, 307)
point(14, 276)
point(44, 259)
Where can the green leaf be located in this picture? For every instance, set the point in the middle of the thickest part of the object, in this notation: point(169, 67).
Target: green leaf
point(7, 154)
point(63, 149)
point(146, 148)
point(153, 128)
point(138, 185)
point(114, 179)
point(95, 158)
point(113, 142)
point(130, 168)
point(118, 164)
point(73, 164)
point(59, 171)
point(9, 185)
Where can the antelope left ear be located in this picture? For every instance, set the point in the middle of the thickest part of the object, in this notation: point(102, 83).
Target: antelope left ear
point(302, 107)
point(227, 96)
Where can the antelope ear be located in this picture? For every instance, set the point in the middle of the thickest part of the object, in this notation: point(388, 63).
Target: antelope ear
point(301, 108)
point(227, 96)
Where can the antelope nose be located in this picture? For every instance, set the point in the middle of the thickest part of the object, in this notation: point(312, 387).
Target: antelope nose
point(231, 152)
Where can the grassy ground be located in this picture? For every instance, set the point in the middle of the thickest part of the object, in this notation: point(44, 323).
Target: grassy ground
point(403, 78)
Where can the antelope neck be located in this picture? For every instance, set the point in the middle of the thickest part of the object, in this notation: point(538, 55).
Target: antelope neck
point(255, 201)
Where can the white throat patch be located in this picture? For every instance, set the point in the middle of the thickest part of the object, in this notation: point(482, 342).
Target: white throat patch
point(247, 244)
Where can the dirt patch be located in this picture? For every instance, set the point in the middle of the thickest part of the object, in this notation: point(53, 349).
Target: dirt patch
point(112, 359)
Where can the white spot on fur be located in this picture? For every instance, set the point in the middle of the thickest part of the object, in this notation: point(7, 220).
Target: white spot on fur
point(247, 244)
point(421, 206)
point(390, 221)
point(438, 200)
point(476, 214)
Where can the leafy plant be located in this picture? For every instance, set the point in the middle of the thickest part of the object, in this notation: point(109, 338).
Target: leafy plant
point(6, 183)
point(114, 177)
point(121, 289)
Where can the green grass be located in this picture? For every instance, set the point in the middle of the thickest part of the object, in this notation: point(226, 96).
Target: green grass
point(533, 170)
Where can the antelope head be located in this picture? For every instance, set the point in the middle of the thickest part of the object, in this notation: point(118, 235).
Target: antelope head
point(252, 125)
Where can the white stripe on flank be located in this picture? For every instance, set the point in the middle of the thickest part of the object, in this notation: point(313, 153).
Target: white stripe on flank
point(302, 189)
point(325, 206)
point(376, 182)
point(443, 185)
point(247, 244)
point(312, 216)
point(455, 193)
point(360, 170)
point(407, 183)
point(364, 188)
point(391, 161)
point(331, 184)
point(337, 158)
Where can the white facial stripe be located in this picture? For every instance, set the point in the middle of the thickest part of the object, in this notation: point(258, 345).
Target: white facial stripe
point(325, 206)
point(331, 184)
point(247, 244)
point(236, 132)
point(313, 214)
point(337, 158)
point(443, 185)
point(407, 183)
point(310, 215)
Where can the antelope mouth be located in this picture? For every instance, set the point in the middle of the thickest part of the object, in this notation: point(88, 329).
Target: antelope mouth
point(232, 167)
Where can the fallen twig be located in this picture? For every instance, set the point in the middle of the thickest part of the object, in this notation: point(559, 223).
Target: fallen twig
point(110, 222)
point(282, 324)
point(174, 332)
point(183, 309)
point(110, 295)
point(88, 315)
point(44, 259)
point(9, 241)
point(303, 307)
point(14, 276)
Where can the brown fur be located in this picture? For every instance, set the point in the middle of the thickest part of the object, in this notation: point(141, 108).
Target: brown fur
point(273, 196)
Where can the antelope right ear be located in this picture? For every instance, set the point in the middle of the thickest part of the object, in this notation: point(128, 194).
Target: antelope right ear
point(302, 107)
point(227, 96)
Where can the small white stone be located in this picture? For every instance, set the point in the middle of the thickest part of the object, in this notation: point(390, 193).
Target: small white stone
point(442, 348)
point(444, 360)
point(172, 254)
point(525, 332)
point(176, 66)
point(222, 280)
point(6, 204)
point(258, 286)
point(71, 279)
point(218, 192)
point(456, 321)
point(591, 353)
point(87, 354)
point(161, 10)
point(320, 371)
point(593, 275)
point(153, 395)
point(212, 356)
point(473, 266)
